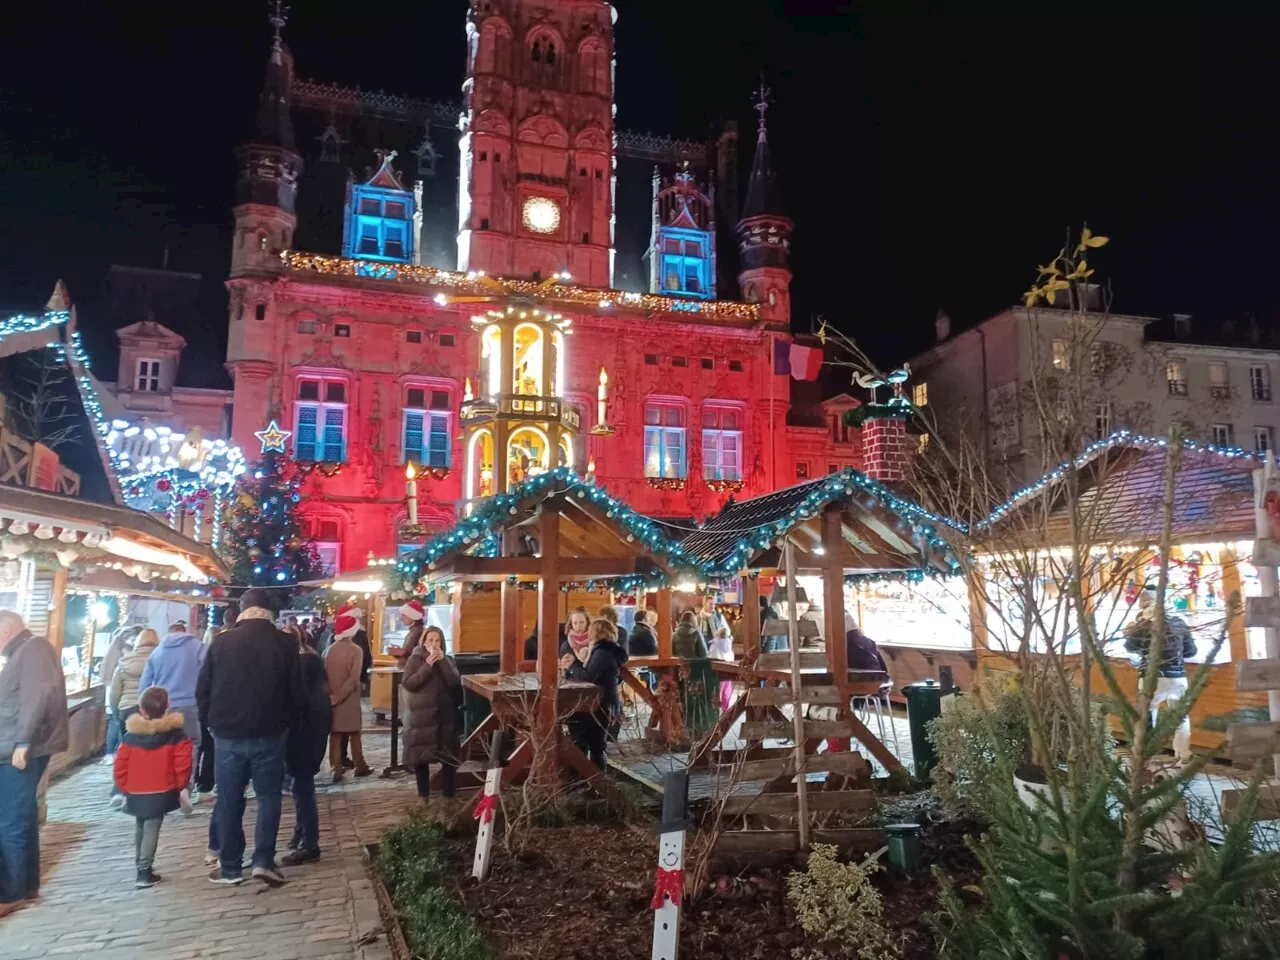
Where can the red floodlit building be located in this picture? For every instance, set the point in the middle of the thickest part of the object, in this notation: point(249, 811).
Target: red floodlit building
point(527, 324)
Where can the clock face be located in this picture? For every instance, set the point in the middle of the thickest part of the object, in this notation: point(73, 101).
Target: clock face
point(541, 215)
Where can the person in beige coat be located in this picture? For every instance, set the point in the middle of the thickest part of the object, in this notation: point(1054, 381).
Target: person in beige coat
point(343, 663)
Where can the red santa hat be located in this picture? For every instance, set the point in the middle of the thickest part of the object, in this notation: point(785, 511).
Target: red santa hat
point(345, 625)
point(413, 610)
point(349, 610)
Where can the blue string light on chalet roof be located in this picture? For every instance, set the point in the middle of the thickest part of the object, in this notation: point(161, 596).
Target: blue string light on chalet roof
point(1120, 438)
point(22, 323)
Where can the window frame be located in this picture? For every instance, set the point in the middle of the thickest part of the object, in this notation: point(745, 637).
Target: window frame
point(1222, 434)
point(423, 454)
point(667, 436)
point(1102, 425)
point(713, 452)
point(322, 406)
point(1176, 386)
point(1060, 354)
point(141, 376)
point(1219, 389)
point(1260, 386)
point(1269, 443)
point(920, 394)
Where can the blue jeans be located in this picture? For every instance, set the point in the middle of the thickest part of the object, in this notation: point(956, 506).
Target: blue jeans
point(20, 830)
point(236, 762)
point(773, 645)
point(307, 814)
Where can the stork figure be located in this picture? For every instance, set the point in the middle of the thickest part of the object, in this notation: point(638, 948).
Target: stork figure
point(871, 382)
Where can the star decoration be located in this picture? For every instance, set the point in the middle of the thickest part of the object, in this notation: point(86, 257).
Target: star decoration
point(273, 438)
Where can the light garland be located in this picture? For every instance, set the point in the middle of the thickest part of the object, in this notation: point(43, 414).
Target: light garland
point(478, 284)
point(22, 323)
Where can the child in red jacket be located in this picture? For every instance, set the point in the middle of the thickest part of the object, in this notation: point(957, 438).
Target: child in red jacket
point(153, 765)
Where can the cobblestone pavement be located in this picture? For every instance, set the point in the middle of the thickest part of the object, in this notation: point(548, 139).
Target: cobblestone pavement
point(89, 908)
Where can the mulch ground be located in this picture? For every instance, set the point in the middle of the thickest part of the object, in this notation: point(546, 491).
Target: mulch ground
point(582, 893)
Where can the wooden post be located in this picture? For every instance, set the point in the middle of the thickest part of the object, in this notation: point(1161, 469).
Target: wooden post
point(793, 640)
point(58, 613)
point(499, 747)
point(1268, 582)
point(509, 649)
point(546, 731)
point(833, 602)
point(668, 891)
point(664, 622)
point(751, 617)
point(1237, 635)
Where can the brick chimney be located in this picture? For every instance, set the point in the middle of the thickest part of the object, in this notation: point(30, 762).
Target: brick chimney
point(886, 455)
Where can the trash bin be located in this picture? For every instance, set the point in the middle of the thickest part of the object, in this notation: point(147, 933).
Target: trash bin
point(474, 708)
point(924, 703)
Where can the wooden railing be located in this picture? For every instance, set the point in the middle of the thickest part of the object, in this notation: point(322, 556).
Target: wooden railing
point(29, 464)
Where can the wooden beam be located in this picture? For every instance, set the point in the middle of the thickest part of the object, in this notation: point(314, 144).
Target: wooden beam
point(849, 764)
point(1254, 675)
point(1251, 741)
point(807, 630)
point(1268, 803)
point(510, 649)
point(822, 695)
point(784, 804)
point(497, 569)
point(664, 623)
point(546, 732)
point(58, 612)
point(833, 600)
point(1262, 612)
point(813, 729)
point(751, 617)
point(809, 659)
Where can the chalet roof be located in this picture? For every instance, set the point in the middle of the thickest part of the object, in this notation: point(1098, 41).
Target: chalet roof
point(881, 529)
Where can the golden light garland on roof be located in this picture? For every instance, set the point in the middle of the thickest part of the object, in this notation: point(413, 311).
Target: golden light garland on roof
point(478, 284)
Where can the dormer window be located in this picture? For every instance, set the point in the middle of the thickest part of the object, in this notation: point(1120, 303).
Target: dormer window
point(148, 378)
point(380, 217)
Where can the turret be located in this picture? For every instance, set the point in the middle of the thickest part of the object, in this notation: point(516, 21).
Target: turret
point(764, 232)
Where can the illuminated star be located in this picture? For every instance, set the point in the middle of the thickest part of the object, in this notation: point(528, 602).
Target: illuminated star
point(273, 438)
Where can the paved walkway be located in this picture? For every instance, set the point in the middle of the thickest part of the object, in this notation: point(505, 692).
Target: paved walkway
point(89, 908)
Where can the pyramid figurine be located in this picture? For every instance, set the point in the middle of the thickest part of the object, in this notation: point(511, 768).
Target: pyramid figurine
point(59, 301)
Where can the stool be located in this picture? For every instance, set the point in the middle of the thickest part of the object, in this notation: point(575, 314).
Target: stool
point(878, 704)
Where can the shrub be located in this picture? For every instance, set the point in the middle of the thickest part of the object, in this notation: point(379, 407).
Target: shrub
point(837, 903)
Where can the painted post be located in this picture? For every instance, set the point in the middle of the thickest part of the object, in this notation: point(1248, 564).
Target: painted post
point(487, 805)
point(668, 890)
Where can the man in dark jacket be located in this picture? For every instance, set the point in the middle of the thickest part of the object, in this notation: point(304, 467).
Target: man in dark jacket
point(33, 727)
point(1176, 647)
point(249, 689)
point(861, 650)
point(643, 641)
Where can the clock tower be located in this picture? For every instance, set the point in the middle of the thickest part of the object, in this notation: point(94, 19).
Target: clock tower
point(537, 166)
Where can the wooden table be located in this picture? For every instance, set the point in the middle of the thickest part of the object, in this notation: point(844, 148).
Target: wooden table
point(395, 673)
point(512, 696)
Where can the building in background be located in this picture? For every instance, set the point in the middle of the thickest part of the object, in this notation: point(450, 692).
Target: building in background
point(483, 301)
point(1138, 373)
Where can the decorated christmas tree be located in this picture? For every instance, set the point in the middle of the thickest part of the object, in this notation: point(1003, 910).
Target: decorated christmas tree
point(263, 543)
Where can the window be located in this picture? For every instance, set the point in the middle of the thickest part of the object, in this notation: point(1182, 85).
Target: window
point(484, 223)
point(721, 443)
point(650, 359)
point(447, 340)
point(327, 538)
point(707, 363)
point(1219, 387)
point(1263, 441)
point(413, 336)
point(684, 266)
point(922, 443)
point(148, 376)
point(1223, 435)
point(920, 394)
point(664, 440)
point(1102, 420)
point(259, 311)
point(1182, 325)
point(1175, 376)
point(484, 155)
point(735, 366)
point(342, 330)
point(802, 470)
point(428, 416)
point(833, 468)
point(1260, 381)
point(320, 421)
point(306, 325)
point(1061, 355)
point(679, 361)
point(380, 220)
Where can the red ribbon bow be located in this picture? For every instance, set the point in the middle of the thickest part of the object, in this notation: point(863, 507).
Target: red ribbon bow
point(669, 882)
point(485, 807)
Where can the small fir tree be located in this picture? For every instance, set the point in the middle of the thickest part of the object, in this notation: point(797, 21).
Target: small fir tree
point(264, 544)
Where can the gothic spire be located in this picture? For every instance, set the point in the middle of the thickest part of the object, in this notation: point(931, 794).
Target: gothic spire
point(763, 196)
point(273, 127)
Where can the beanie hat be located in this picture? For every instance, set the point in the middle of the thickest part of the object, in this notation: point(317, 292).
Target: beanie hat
point(345, 626)
point(255, 597)
point(412, 610)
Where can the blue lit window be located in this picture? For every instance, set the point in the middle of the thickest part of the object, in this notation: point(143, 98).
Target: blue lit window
point(686, 264)
point(664, 441)
point(320, 421)
point(426, 434)
point(380, 218)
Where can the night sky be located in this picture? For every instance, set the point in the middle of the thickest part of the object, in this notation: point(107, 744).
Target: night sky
point(928, 162)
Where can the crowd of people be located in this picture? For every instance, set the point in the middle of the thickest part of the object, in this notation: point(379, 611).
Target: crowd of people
point(260, 705)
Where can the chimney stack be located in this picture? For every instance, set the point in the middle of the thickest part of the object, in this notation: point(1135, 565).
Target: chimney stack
point(942, 325)
point(885, 453)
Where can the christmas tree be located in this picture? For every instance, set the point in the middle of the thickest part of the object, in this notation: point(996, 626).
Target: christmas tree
point(263, 543)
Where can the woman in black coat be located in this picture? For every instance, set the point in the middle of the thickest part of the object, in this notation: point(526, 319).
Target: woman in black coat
point(432, 691)
point(305, 750)
point(601, 665)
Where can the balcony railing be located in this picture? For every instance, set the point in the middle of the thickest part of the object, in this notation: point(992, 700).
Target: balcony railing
point(520, 406)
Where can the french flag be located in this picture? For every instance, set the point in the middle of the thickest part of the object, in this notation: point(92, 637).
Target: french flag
point(803, 363)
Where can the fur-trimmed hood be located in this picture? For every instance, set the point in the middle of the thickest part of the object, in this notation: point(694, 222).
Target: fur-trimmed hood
point(142, 726)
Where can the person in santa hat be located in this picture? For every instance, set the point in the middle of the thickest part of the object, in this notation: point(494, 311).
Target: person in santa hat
point(412, 615)
point(343, 663)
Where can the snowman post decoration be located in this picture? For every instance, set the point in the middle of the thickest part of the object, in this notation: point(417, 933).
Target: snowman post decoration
point(668, 891)
point(487, 805)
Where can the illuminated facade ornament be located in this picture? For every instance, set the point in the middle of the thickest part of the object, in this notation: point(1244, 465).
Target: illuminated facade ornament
point(541, 215)
point(273, 438)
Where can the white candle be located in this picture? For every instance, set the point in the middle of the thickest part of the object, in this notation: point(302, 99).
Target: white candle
point(602, 398)
point(411, 493)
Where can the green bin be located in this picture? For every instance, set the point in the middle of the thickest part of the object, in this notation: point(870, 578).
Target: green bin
point(924, 702)
point(474, 708)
